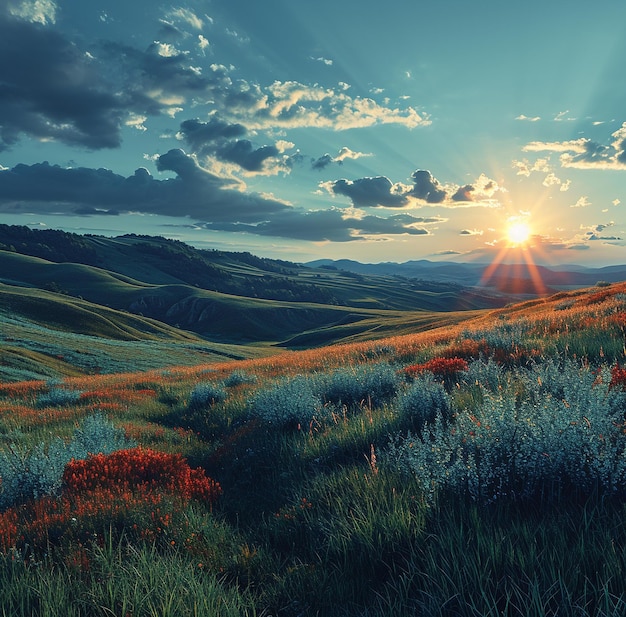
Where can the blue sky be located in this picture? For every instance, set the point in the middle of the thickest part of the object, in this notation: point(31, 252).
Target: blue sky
point(376, 131)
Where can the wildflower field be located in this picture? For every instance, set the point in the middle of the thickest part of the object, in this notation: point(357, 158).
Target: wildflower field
point(473, 470)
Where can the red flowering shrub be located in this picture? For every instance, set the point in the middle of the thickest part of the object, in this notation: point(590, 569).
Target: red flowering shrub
point(618, 378)
point(441, 367)
point(138, 492)
point(139, 468)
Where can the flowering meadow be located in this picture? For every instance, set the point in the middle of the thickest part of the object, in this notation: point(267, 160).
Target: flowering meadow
point(473, 470)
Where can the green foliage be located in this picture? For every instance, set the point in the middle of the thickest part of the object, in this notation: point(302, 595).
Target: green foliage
point(423, 403)
point(290, 403)
point(58, 397)
point(554, 432)
point(205, 395)
point(32, 474)
point(238, 378)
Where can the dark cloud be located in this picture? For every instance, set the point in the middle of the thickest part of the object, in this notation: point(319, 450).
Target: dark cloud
point(200, 134)
point(463, 193)
point(322, 162)
point(193, 192)
point(331, 225)
point(243, 153)
point(368, 192)
point(427, 188)
point(50, 89)
point(212, 139)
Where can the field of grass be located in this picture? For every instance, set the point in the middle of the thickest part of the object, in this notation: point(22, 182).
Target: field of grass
point(474, 469)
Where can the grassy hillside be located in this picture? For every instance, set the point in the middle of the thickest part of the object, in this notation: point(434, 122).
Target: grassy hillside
point(473, 469)
point(229, 318)
point(158, 261)
point(51, 335)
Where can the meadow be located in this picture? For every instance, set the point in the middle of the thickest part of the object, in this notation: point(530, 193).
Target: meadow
point(476, 469)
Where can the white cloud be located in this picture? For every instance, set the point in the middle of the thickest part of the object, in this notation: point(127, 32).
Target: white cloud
point(582, 202)
point(563, 117)
point(40, 11)
point(325, 61)
point(574, 145)
point(203, 42)
point(528, 118)
point(136, 121)
point(187, 16)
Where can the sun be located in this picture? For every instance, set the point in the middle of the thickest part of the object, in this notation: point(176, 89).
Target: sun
point(518, 232)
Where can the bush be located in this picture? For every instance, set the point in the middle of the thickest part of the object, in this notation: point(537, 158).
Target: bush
point(206, 395)
point(28, 475)
point(58, 397)
point(423, 402)
point(365, 384)
point(530, 441)
point(239, 377)
point(291, 402)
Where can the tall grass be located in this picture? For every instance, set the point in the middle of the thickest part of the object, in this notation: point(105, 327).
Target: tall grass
point(474, 471)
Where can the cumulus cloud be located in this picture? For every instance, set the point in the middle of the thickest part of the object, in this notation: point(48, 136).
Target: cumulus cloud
point(40, 100)
point(344, 153)
point(364, 192)
point(194, 192)
point(595, 233)
point(584, 153)
point(217, 138)
point(582, 202)
point(426, 189)
point(39, 11)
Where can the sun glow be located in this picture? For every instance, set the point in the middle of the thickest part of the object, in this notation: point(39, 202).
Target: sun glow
point(518, 232)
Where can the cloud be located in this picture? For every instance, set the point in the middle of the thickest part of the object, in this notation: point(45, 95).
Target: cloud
point(331, 225)
point(216, 138)
point(325, 61)
point(38, 11)
point(582, 202)
point(187, 16)
point(426, 190)
point(51, 90)
point(344, 153)
point(563, 117)
point(471, 232)
point(194, 192)
point(291, 104)
point(584, 153)
point(527, 118)
point(364, 192)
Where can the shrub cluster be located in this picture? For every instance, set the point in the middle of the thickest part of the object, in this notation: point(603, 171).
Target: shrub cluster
point(297, 401)
point(138, 492)
point(554, 430)
point(31, 474)
point(205, 395)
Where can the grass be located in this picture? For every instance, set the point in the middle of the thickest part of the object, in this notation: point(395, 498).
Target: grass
point(318, 518)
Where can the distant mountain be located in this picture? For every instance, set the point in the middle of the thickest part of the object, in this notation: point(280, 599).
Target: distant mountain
point(505, 278)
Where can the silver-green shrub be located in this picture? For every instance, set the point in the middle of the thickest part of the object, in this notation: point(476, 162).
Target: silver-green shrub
point(555, 430)
point(57, 397)
point(239, 377)
point(364, 384)
point(290, 402)
point(423, 402)
point(32, 474)
point(206, 394)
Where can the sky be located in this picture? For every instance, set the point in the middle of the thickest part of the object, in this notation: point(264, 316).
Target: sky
point(376, 131)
